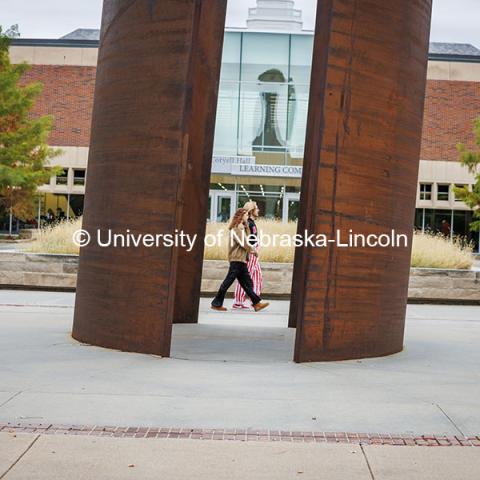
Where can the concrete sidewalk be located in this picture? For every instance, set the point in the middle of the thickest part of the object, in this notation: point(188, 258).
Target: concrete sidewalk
point(234, 370)
point(42, 457)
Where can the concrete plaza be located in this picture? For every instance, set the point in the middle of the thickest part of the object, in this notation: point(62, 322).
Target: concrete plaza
point(234, 371)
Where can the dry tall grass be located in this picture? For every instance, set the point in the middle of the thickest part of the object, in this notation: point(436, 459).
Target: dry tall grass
point(57, 238)
point(430, 251)
point(436, 251)
point(279, 253)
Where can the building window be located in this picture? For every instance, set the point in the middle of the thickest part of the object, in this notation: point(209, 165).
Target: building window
point(425, 191)
point(79, 176)
point(62, 178)
point(443, 191)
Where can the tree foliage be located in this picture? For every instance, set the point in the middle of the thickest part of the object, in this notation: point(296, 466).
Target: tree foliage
point(24, 152)
point(471, 160)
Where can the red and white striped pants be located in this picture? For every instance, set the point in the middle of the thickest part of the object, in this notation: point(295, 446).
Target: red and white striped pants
point(253, 266)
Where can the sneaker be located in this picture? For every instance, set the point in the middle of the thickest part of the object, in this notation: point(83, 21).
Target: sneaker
point(239, 306)
point(260, 306)
point(220, 309)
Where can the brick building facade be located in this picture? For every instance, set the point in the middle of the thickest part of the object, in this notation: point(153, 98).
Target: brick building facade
point(450, 109)
point(67, 70)
point(68, 96)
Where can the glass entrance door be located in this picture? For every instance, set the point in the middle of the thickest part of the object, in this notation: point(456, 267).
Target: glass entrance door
point(222, 205)
point(291, 207)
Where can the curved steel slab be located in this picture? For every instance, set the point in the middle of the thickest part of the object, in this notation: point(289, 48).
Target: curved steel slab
point(148, 169)
point(360, 173)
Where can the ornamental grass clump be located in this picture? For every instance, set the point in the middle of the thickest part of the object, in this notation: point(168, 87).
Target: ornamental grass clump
point(57, 238)
point(437, 251)
point(217, 250)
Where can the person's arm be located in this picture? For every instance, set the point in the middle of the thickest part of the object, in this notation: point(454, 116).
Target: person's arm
point(241, 238)
point(248, 246)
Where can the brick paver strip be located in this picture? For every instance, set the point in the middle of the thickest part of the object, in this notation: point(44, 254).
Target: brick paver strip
point(248, 435)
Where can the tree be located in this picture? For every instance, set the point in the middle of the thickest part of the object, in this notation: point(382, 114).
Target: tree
point(471, 160)
point(24, 153)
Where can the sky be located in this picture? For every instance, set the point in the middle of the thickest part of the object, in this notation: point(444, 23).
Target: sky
point(455, 21)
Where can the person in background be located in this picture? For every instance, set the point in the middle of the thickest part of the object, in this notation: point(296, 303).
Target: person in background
point(223, 215)
point(253, 264)
point(50, 217)
point(239, 250)
point(445, 228)
point(61, 215)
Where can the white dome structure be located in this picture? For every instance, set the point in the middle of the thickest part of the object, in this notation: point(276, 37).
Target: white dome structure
point(277, 15)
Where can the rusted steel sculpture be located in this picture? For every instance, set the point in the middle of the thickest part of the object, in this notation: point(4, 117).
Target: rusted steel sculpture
point(149, 166)
point(360, 172)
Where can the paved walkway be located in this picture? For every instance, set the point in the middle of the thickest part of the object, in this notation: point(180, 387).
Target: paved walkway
point(231, 372)
point(234, 370)
point(42, 457)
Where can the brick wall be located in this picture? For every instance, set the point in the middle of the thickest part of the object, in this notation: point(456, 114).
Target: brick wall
point(68, 96)
point(450, 109)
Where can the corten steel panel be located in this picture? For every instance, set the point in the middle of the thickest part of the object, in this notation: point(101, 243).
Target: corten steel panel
point(207, 55)
point(144, 114)
point(360, 173)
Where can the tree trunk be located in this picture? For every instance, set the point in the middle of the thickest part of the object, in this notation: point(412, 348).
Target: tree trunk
point(10, 222)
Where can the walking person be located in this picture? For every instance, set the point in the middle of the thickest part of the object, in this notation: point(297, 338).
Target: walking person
point(253, 264)
point(239, 250)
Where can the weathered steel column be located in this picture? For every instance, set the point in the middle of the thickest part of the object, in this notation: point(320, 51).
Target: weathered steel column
point(207, 56)
point(360, 173)
point(148, 169)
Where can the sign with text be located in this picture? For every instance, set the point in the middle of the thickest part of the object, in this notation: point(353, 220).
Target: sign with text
point(223, 164)
point(292, 171)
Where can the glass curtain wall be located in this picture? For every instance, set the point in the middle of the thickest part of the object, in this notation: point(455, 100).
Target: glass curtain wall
point(263, 97)
point(262, 112)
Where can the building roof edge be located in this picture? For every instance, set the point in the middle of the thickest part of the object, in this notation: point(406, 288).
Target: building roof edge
point(81, 43)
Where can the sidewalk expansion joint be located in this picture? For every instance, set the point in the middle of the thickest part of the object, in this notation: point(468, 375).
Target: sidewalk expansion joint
point(20, 457)
point(450, 420)
point(11, 398)
point(367, 462)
